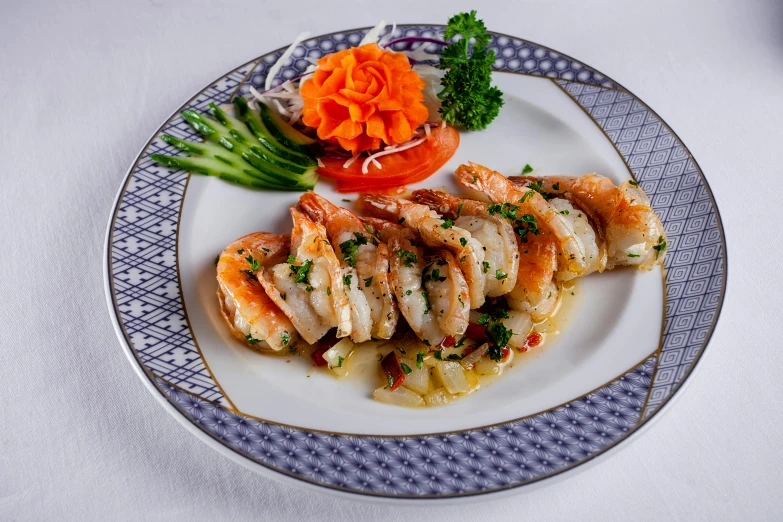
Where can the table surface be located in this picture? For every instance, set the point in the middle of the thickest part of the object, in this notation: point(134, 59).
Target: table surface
point(84, 84)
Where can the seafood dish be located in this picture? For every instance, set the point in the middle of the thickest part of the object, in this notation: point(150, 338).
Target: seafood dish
point(432, 291)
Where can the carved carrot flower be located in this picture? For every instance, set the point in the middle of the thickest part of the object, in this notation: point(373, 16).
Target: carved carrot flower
point(363, 97)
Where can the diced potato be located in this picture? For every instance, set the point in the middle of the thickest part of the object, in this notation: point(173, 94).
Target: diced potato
point(363, 358)
point(438, 397)
point(487, 366)
point(336, 355)
point(399, 397)
point(520, 323)
point(473, 381)
point(452, 376)
point(419, 379)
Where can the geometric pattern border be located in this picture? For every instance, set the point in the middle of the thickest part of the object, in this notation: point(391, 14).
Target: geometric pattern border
point(148, 303)
point(694, 261)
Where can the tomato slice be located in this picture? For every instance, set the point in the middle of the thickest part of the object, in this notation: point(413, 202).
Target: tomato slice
point(409, 166)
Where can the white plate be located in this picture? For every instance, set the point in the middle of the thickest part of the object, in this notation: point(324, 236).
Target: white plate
point(623, 349)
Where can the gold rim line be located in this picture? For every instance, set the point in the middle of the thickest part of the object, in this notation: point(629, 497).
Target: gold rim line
point(625, 162)
point(451, 432)
point(193, 421)
point(176, 260)
point(657, 353)
point(664, 402)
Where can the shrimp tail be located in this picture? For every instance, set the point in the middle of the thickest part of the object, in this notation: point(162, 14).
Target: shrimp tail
point(317, 207)
point(478, 177)
point(385, 207)
point(444, 204)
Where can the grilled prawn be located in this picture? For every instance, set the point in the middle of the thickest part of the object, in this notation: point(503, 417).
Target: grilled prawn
point(251, 315)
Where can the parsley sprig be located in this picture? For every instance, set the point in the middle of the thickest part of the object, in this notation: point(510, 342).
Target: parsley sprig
point(467, 98)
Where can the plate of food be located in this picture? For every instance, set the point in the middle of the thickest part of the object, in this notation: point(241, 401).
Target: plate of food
point(414, 262)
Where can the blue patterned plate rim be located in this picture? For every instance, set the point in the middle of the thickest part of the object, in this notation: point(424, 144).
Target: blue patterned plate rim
point(421, 462)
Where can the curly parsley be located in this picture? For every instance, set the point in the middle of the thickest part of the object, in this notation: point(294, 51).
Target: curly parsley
point(467, 98)
point(350, 248)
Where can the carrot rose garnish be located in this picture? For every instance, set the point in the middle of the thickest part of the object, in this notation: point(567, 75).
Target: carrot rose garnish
point(362, 97)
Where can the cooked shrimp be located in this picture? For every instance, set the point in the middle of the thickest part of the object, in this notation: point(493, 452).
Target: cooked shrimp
point(436, 233)
point(633, 233)
point(447, 291)
point(250, 314)
point(406, 267)
point(595, 248)
point(571, 253)
point(373, 310)
point(496, 235)
point(536, 292)
point(309, 287)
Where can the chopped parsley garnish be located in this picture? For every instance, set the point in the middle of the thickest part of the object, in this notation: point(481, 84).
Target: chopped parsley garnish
point(460, 342)
point(526, 224)
point(468, 98)
point(251, 339)
point(527, 195)
point(389, 381)
point(433, 275)
point(368, 282)
point(351, 247)
point(405, 368)
point(660, 247)
point(633, 183)
point(463, 241)
point(447, 223)
point(528, 169)
point(328, 290)
point(634, 255)
point(459, 208)
point(419, 359)
point(426, 303)
point(535, 185)
point(301, 272)
point(408, 292)
point(564, 212)
point(507, 210)
point(347, 280)
point(255, 266)
point(454, 357)
point(285, 337)
point(241, 251)
point(347, 200)
point(485, 266)
point(340, 360)
point(556, 186)
point(499, 275)
point(439, 356)
point(497, 333)
point(408, 258)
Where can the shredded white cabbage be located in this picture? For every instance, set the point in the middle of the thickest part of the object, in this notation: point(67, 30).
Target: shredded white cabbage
point(373, 158)
point(270, 76)
point(388, 36)
point(421, 55)
point(373, 34)
point(350, 161)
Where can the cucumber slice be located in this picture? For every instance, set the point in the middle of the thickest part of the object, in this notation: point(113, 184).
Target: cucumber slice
point(214, 167)
point(284, 133)
point(256, 126)
point(211, 150)
point(238, 143)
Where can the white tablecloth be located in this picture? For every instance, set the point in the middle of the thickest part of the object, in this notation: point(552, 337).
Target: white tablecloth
point(84, 84)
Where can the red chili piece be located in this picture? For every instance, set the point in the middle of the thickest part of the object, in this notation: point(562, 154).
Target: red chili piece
point(448, 341)
point(391, 367)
